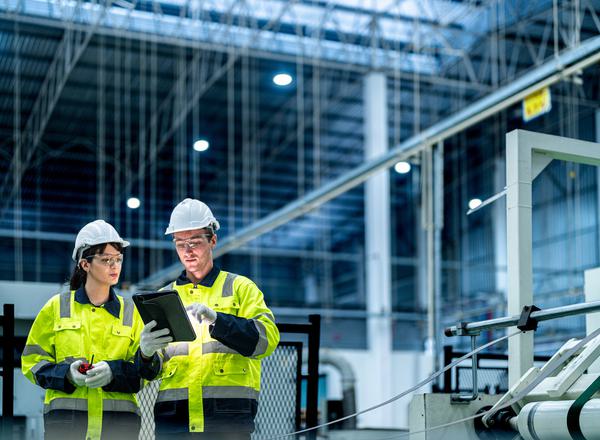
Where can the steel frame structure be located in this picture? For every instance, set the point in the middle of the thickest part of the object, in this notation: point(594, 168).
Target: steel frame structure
point(549, 73)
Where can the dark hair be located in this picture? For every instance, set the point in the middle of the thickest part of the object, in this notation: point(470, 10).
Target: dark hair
point(79, 276)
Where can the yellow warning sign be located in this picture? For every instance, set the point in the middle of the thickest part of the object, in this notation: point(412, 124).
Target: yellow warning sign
point(537, 104)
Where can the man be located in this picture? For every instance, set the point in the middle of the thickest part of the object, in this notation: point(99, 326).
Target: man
point(210, 386)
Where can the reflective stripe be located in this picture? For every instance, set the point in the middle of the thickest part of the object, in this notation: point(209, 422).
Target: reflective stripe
point(182, 349)
point(266, 315)
point(263, 341)
point(172, 394)
point(38, 366)
point(128, 312)
point(65, 305)
point(66, 403)
point(34, 349)
point(82, 405)
point(71, 359)
point(216, 347)
point(120, 405)
point(228, 285)
point(229, 393)
point(168, 286)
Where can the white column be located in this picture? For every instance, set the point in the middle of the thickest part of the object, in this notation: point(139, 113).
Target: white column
point(519, 243)
point(591, 289)
point(591, 285)
point(378, 253)
point(499, 226)
point(597, 139)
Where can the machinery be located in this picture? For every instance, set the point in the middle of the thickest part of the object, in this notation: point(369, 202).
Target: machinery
point(560, 406)
point(556, 400)
point(551, 402)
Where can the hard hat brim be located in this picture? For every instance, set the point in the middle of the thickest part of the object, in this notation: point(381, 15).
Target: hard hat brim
point(82, 249)
point(191, 228)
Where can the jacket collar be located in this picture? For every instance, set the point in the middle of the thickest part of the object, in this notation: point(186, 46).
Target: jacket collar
point(112, 306)
point(207, 281)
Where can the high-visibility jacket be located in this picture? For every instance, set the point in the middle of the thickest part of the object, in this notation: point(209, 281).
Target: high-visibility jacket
point(212, 384)
point(69, 328)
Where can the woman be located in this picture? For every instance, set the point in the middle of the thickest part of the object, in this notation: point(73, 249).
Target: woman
point(92, 322)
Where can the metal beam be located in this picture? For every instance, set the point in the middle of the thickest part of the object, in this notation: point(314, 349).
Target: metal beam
point(526, 154)
point(547, 74)
point(224, 36)
point(70, 49)
point(187, 91)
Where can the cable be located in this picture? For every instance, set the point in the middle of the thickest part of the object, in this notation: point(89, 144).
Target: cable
point(549, 368)
point(404, 393)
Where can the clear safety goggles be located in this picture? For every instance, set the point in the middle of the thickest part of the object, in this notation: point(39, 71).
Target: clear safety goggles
point(192, 242)
point(107, 260)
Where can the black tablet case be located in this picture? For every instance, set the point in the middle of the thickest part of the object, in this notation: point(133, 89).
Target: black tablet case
point(166, 308)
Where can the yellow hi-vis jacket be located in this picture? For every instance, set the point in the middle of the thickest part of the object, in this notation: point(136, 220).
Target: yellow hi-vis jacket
point(212, 384)
point(66, 330)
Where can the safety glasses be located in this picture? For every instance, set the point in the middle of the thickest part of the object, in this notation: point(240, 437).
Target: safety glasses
point(106, 260)
point(192, 242)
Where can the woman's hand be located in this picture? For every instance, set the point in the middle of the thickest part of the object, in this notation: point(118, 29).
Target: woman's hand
point(99, 376)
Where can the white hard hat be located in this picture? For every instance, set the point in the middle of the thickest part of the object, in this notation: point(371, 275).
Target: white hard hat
point(191, 214)
point(96, 232)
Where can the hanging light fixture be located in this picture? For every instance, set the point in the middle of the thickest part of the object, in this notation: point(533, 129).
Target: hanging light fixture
point(133, 203)
point(402, 167)
point(201, 145)
point(282, 79)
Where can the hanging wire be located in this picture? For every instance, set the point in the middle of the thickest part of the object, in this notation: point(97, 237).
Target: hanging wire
point(153, 204)
point(142, 142)
point(245, 97)
point(17, 213)
point(180, 174)
point(128, 145)
point(231, 143)
point(196, 157)
point(256, 159)
point(101, 132)
point(117, 121)
point(300, 121)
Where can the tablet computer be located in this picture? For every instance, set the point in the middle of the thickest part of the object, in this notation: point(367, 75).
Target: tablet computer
point(165, 307)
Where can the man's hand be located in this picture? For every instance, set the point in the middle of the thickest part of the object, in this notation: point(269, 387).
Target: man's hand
point(99, 376)
point(153, 341)
point(74, 376)
point(202, 313)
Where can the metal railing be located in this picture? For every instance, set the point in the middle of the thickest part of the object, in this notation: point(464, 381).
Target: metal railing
point(474, 328)
point(490, 379)
point(7, 321)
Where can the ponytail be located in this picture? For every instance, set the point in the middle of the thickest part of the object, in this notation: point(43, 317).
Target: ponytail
point(78, 277)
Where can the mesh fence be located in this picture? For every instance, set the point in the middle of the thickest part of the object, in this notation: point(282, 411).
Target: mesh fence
point(277, 404)
point(278, 401)
point(146, 398)
point(489, 379)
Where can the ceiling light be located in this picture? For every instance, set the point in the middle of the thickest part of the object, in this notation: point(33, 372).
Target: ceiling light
point(283, 79)
point(402, 167)
point(201, 145)
point(133, 203)
point(474, 203)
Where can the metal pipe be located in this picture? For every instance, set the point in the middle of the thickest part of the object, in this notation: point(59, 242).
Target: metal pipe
point(551, 72)
point(474, 328)
point(312, 386)
point(8, 365)
point(460, 398)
